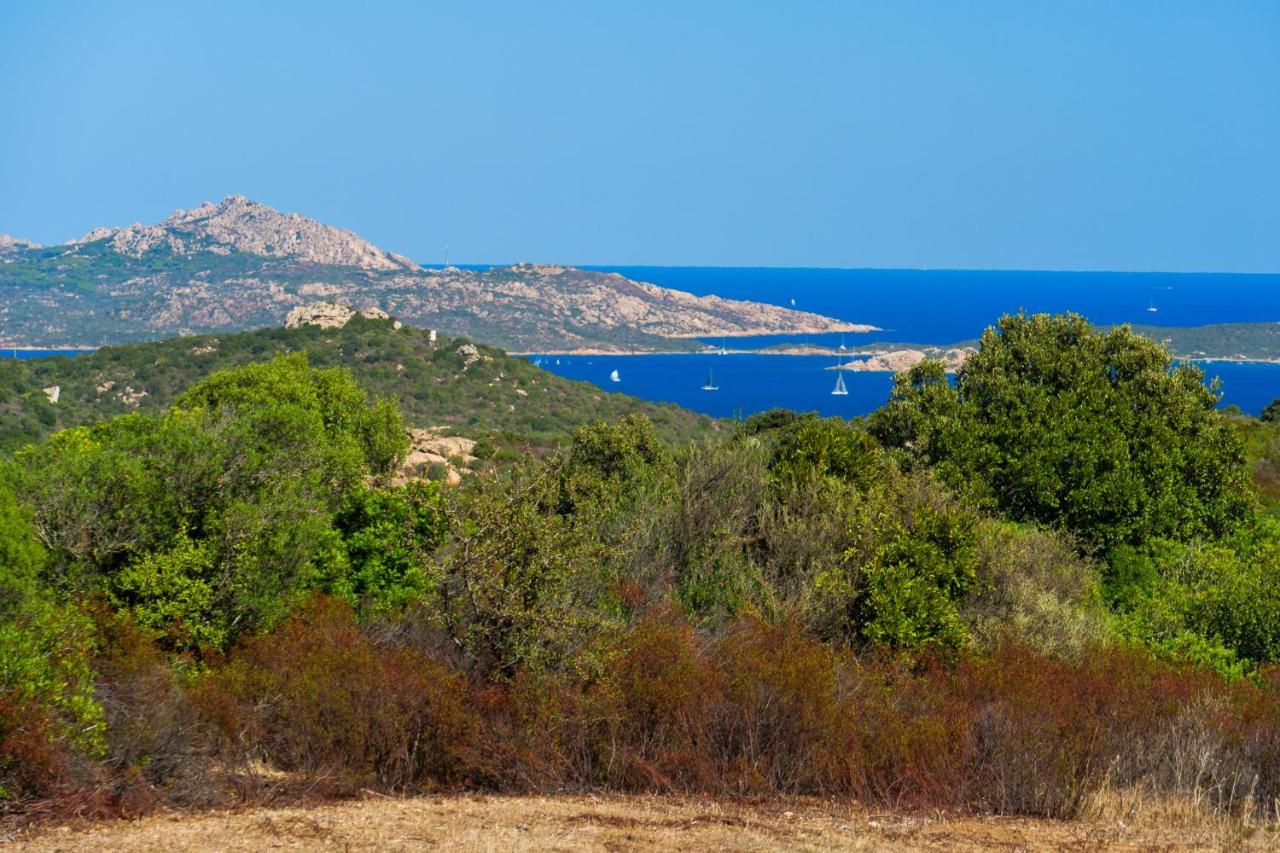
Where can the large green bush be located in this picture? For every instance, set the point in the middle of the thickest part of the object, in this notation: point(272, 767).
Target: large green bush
point(1100, 434)
point(216, 517)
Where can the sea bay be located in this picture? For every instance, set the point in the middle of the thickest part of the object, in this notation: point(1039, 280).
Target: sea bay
point(916, 306)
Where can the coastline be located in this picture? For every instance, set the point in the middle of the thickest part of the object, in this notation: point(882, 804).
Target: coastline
point(869, 361)
point(10, 348)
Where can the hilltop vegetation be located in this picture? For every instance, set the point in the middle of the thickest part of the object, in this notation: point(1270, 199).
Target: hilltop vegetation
point(1050, 578)
point(495, 395)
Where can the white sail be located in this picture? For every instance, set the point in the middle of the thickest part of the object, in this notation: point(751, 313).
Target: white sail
point(614, 377)
point(840, 390)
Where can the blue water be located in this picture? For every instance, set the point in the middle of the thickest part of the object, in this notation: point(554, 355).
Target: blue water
point(945, 306)
point(917, 306)
point(748, 383)
point(40, 353)
point(753, 383)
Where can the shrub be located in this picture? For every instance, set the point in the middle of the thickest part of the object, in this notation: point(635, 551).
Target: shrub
point(45, 646)
point(909, 564)
point(154, 736)
point(1033, 588)
point(696, 534)
point(316, 696)
point(655, 709)
point(780, 726)
point(520, 583)
point(33, 764)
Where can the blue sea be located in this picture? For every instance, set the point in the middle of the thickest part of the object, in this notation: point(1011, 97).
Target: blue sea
point(916, 306)
point(40, 353)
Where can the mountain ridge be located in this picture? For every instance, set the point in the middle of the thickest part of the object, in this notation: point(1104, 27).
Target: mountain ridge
point(240, 264)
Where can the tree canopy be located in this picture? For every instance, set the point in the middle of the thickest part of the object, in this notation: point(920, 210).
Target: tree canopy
point(1103, 435)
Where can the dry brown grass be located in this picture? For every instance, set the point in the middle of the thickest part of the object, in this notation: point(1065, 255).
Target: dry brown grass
point(515, 823)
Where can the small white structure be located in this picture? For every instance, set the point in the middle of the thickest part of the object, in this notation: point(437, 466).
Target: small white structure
point(431, 337)
point(53, 392)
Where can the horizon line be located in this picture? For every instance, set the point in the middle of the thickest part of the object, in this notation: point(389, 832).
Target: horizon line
point(1056, 270)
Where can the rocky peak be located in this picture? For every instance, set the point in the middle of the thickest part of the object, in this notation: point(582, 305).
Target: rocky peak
point(7, 242)
point(239, 224)
point(248, 226)
point(330, 315)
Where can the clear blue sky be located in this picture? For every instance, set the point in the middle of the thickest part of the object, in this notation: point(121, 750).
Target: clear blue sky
point(1072, 135)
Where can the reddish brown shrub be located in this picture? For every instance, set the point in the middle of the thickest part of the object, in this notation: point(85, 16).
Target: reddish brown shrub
point(317, 696)
point(781, 723)
point(914, 735)
point(32, 765)
point(654, 710)
point(155, 737)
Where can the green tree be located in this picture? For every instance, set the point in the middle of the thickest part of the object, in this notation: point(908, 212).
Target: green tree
point(1053, 422)
point(218, 516)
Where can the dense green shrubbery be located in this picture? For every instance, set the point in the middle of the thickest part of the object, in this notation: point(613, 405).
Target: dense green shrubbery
point(997, 594)
point(1102, 435)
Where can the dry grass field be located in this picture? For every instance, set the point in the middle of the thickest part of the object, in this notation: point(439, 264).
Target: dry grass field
point(519, 823)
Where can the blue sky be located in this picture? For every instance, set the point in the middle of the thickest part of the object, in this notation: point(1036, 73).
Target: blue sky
point(1029, 135)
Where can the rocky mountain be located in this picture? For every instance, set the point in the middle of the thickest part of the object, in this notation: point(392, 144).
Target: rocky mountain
point(240, 225)
point(8, 243)
point(239, 264)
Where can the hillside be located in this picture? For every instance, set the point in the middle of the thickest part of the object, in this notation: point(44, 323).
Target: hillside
point(1235, 341)
point(472, 390)
point(239, 265)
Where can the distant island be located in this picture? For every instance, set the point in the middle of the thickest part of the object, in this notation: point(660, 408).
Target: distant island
point(239, 264)
point(1235, 342)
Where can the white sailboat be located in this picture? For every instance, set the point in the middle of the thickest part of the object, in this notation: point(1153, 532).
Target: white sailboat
point(1151, 305)
point(711, 382)
point(840, 390)
point(614, 377)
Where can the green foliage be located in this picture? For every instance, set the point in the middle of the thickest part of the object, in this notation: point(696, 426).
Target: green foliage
point(430, 385)
point(1034, 589)
point(611, 464)
point(297, 407)
point(45, 647)
point(174, 593)
point(826, 447)
point(1102, 435)
point(520, 583)
point(1217, 605)
point(908, 566)
point(390, 534)
point(1271, 413)
point(951, 593)
point(214, 518)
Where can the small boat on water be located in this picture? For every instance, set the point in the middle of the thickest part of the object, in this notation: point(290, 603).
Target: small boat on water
point(614, 377)
point(840, 390)
point(711, 382)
